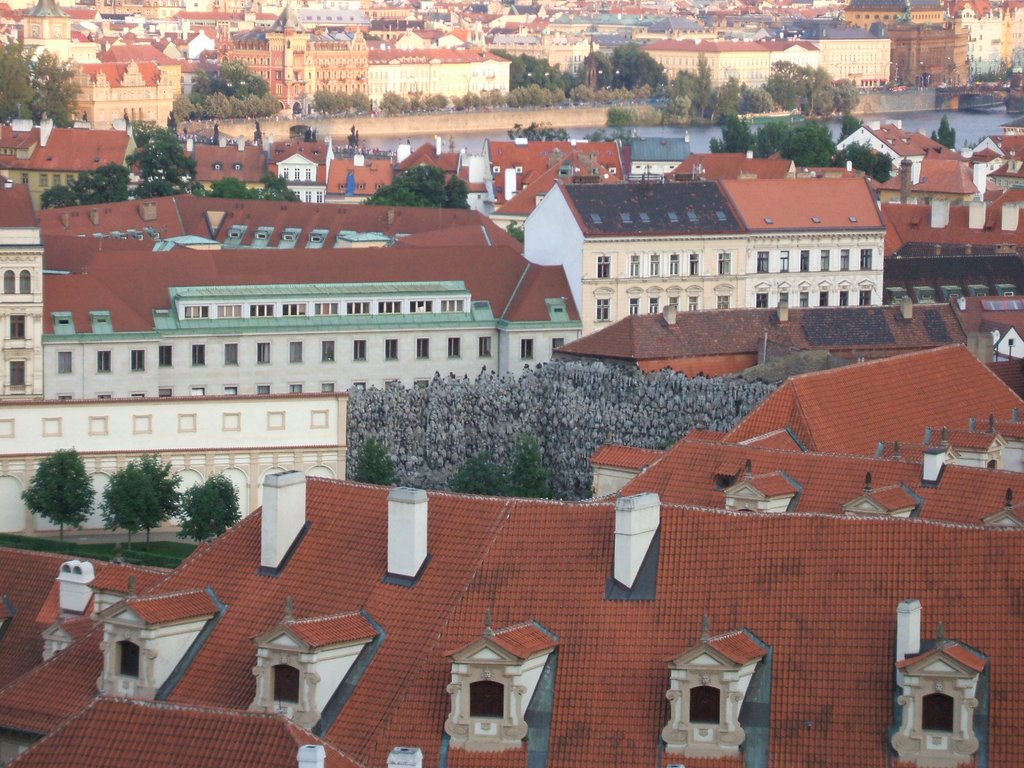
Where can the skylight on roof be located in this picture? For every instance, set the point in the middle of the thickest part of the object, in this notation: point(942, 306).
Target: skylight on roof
point(768, 220)
point(720, 215)
point(626, 218)
point(692, 217)
point(816, 219)
point(645, 218)
point(673, 217)
point(596, 218)
point(853, 219)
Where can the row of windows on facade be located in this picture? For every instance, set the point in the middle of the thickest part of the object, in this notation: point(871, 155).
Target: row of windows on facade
point(602, 309)
point(296, 353)
point(320, 308)
point(20, 283)
point(675, 263)
point(44, 179)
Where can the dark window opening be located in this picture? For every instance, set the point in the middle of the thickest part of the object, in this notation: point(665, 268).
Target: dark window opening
point(486, 699)
point(286, 684)
point(937, 712)
point(705, 704)
point(128, 658)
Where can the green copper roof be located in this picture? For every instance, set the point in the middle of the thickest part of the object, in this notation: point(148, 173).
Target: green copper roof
point(46, 8)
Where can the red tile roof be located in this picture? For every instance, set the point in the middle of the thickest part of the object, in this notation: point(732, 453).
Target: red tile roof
point(321, 631)
point(172, 607)
point(16, 207)
point(524, 640)
point(70, 149)
point(624, 456)
point(114, 72)
point(251, 158)
point(804, 204)
point(939, 175)
point(739, 647)
point(728, 165)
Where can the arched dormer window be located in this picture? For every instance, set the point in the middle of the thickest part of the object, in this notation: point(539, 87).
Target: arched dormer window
point(487, 699)
point(705, 704)
point(25, 282)
point(286, 683)
point(127, 659)
point(937, 712)
point(9, 281)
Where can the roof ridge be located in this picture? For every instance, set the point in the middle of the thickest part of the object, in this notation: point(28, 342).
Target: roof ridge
point(166, 595)
point(312, 619)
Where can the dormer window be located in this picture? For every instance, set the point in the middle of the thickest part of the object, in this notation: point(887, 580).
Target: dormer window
point(286, 684)
point(892, 500)
point(493, 682)
point(218, 166)
point(707, 688)
point(772, 492)
point(127, 659)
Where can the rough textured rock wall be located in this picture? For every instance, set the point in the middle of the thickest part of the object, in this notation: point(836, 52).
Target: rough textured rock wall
point(572, 408)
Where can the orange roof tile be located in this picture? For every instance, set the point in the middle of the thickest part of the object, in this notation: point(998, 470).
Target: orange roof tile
point(321, 631)
point(739, 647)
point(624, 456)
point(524, 640)
point(176, 606)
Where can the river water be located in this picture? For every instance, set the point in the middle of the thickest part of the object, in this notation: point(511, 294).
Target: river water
point(970, 128)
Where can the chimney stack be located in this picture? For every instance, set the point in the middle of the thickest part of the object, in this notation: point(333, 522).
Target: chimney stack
point(74, 579)
point(783, 312)
point(94, 216)
point(908, 629)
point(510, 183)
point(980, 178)
point(407, 532)
point(437, 145)
point(311, 756)
point(670, 314)
point(934, 460)
point(405, 757)
point(1010, 217)
point(976, 215)
point(750, 154)
point(940, 214)
point(190, 145)
point(906, 308)
point(284, 515)
point(45, 129)
point(241, 144)
point(905, 179)
point(636, 520)
point(403, 151)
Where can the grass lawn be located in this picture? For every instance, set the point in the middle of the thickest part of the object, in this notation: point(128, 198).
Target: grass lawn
point(165, 554)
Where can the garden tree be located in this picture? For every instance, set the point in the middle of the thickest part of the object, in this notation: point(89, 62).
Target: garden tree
point(393, 104)
point(208, 509)
point(730, 98)
point(809, 145)
point(140, 497)
point(703, 95)
point(845, 96)
point(946, 135)
point(820, 94)
point(633, 67)
point(480, 474)
point(58, 197)
point(786, 84)
point(16, 92)
point(736, 136)
point(276, 188)
point(756, 100)
point(527, 476)
point(229, 187)
point(54, 89)
point(164, 168)
point(771, 137)
point(423, 186)
point(528, 70)
point(849, 126)
point(375, 465)
point(61, 490)
point(597, 69)
point(874, 164)
point(106, 184)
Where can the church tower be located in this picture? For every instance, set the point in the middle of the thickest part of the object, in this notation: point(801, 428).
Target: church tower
point(48, 26)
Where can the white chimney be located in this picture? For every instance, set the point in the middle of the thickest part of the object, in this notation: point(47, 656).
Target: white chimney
point(510, 183)
point(967, 153)
point(976, 215)
point(750, 154)
point(908, 629)
point(636, 520)
point(940, 214)
point(849, 166)
point(437, 145)
point(915, 172)
point(241, 144)
point(45, 129)
point(403, 151)
point(477, 169)
point(906, 308)
point(670, 314)
point(931, 468)
point(407, 531)
point(311, 756)
point(783, 312)
point(358, 160)
point(223, 141)
point(1010, 217)
point(980, 177)
point(74, 579)
point(961, 303)
point(190, 145)
point(284, 515)
point(405, 757)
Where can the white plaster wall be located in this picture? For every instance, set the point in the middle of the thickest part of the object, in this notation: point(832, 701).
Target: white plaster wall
point(554, 238)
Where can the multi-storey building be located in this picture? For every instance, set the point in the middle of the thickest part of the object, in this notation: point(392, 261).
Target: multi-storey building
point(21, 302)
point(854, 54)
point(865, 13)
point(635, 248)
point(929, 54)
point(434, 71)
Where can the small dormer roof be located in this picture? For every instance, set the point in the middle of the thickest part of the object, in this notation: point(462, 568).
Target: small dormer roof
point(736, 647)
point(888, 500)
point(958, 652)
point(519, 641)
point(166, 609)
point(323, 631)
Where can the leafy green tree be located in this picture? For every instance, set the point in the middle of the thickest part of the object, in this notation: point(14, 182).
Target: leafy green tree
point(208, 509)
point(819, 92)
point(729, 98)
point(164, 168)
point(598, 70)
point(786, 84)
point(393, 104)
point(845, 97)
point(58, 197)
point(757, 100)
point(863, 158)
point(515, 229)
point(633, 67)
point(480, 474)
point(538, 132)
point(16, 92)
point(61, 490)
point(375, 465)
point(703, 94)
point(423, 187)
point(849, 126)
point(232, 188)
point(276, 188)
point(106, 184)
point(140, 497)
point(810, 145)
point(529, 70)
point(54, 89)
point(736, 136)
point(527, 476)
point(771, 138)
point(946, 135)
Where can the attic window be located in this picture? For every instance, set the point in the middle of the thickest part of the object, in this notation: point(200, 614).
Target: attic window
point(768, 220)
point(237, 166)
point(720, 215)
point(286, 683)
point(595, 218)
point(692, 217)
point(673, 217)
point(626, 218)
point(487, 699)
point(853, 219)
point(816, 219)
point(218, 166)
point(127, 659)
point(645, 218)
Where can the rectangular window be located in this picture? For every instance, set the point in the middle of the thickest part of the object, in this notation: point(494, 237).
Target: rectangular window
point(692, 303)
point(44, 180)
point(844, 298)
point(357, 308)
point(634, 306)
point(805, 299)
point(422, 349)
point(454, 347)
point(557, 342)
point(724, 263)
point(823, 299)
point(526, 349)
point(389, 307)
point(327, 386)
point(194, 312)
point(229, 310)
point(261, 310)
point(844, 259)
point(103, 361)
point(165, 355)
point(326, 308)
point(295, 388)
point(231, 390)
point(673, 265)
point(422, 305)
point(295, 352)
point(17, 373)
point(826, 261)
point(602, 310)
point(484, 346)
point(453, 305)
point(161, 392)
point(805, 261)
point(17, 326)
point(784, 298)
point(63, 362)
point(653, 305)
point(359, 349)
point(262, 389)
point(865, 298)
point(655, 265)
point(263, 352)
point(604, 266)
point(198, 354)
point(634, 265)
point(293, 310)
point(390, 349)
point(326, 351)
point(722, 302)
point(784, 261)
point(762, 261)
point(138, 360)
point(197, 391)
point(358, 386)
point(865, 258)
point(231, 354)
point(761, 300)
point(694, 264)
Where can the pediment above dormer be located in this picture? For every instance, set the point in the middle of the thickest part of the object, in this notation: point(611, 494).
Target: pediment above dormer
point(1004, 518)
point(121, 613)
point(864, 505)
point(482, 650)
point(703, 656)
point(280, 638)
point(939, 667)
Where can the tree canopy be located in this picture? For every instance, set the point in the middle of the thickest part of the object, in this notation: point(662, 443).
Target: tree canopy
point(164, 168)
point(946, 135)
point(140, 496)
point(538, 132)
point(230, 187)
point(61, 490)
point(107, 184)
point(375, 465)
point(36, 86)
point(423, 186)
point(633, 67)
point(527, 475)
point(234, 91)
point(208, 509)
point(529, 70)
point(736, 136)
point(480, 474)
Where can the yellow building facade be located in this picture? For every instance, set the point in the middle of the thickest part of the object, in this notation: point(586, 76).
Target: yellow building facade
point(431, 72)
